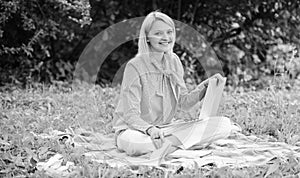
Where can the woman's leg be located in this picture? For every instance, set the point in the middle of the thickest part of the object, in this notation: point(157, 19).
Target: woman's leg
point(175, 143)
point(202, 132)
point(196, 133)
point(134, 143)
point(215, 128)
point(183, 136)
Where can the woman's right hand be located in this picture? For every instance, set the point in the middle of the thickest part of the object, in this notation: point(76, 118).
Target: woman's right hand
point(157, 136)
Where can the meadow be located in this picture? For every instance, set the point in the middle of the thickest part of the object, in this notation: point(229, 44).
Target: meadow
point(271, 113)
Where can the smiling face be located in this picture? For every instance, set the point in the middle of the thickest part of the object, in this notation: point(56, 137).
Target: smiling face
point(161, 37)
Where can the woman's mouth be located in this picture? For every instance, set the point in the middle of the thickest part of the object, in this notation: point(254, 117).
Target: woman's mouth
point(165, 43)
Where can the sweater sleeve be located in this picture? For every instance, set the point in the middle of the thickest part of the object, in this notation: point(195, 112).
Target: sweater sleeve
point(131, 93)
point(187, 99)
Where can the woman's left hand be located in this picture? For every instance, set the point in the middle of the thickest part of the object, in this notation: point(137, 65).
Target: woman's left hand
point(217, 77)
point(203, 84)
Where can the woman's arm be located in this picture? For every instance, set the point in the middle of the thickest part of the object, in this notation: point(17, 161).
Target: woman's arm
point(188, 99)
point(130, 99)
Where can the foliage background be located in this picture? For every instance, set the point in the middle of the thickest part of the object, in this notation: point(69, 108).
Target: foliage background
point(41, 40)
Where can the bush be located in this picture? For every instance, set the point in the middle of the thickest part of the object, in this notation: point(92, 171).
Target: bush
point(39, 38)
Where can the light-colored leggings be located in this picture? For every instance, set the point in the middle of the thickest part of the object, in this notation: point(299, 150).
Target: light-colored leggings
point(190, 134)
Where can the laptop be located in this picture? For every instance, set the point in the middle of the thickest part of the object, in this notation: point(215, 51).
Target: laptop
point(212, 98)
point(210, 106)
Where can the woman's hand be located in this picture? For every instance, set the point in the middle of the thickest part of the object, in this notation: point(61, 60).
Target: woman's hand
point(204, 84)
point(157, 136)
point(217, 77)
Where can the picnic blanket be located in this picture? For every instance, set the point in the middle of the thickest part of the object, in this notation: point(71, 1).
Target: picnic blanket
point(238, 150)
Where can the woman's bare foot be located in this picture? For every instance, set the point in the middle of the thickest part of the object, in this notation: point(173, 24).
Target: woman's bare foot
point(169, 146)
point(159, 154)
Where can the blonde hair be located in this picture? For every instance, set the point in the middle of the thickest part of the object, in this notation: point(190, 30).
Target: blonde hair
point(143, 46)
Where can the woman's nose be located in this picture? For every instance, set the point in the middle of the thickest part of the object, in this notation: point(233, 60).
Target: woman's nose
point(166, 36)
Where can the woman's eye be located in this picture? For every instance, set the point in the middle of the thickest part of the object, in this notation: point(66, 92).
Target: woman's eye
point(170, 32)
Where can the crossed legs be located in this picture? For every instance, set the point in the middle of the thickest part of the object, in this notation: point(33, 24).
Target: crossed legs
point(136, 143)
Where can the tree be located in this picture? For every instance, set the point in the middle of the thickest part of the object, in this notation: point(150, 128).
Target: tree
point(241, 32)
point(38, 38)
point(44, 39)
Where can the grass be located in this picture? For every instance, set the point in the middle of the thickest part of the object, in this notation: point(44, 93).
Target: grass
point(272, 113)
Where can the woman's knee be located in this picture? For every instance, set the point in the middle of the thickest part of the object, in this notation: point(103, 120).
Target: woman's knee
point(220, 120)
point(219, 126)
point(134, 143)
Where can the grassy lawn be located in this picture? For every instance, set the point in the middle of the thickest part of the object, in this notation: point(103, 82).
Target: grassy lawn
point(272, 113)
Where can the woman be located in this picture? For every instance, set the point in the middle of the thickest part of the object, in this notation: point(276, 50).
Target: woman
point(152, 90)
